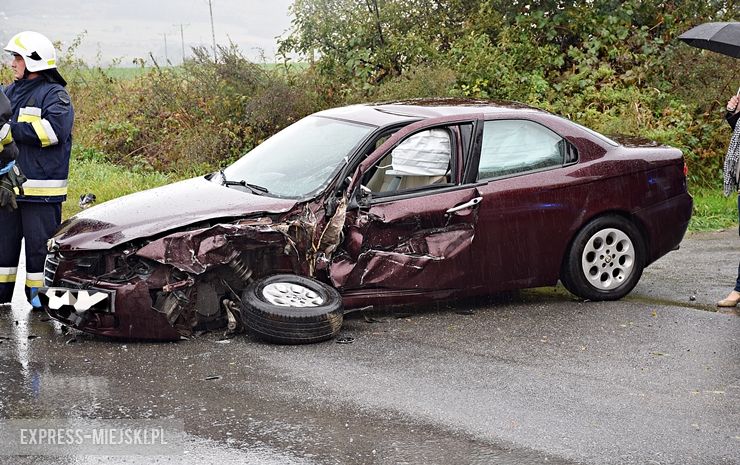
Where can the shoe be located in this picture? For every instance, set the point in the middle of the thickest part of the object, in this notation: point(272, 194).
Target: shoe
point(729, 302)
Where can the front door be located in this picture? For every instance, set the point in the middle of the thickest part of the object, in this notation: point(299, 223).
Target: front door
point(416, 222)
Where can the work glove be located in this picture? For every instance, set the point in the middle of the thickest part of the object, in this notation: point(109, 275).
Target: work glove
point(11, 179)
point(8, 153)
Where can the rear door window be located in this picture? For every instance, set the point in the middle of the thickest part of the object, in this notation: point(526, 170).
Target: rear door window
point(511, 147)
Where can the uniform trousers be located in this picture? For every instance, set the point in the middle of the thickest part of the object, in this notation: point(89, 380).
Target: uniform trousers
point(35, 222)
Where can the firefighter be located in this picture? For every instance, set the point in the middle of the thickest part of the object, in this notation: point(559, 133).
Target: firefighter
point(41, 126)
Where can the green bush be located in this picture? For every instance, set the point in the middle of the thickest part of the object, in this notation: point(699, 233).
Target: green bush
point(420, 82)
point(202, 114)
point(615, 66)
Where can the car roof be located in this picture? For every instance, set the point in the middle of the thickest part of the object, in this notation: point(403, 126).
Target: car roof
point(382, 114)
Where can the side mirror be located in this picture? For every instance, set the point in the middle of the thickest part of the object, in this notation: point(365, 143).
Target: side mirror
point(330, 206)
point(360, 198)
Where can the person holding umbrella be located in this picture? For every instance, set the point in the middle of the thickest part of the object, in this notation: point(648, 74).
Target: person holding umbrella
point(724, 38)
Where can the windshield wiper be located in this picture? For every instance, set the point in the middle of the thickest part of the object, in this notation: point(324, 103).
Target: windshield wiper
point(254, 188)
point(257, 190)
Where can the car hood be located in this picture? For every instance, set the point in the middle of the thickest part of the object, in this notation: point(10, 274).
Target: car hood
point(158, 210)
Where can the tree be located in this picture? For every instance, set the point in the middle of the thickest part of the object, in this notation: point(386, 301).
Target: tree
point(357, 43)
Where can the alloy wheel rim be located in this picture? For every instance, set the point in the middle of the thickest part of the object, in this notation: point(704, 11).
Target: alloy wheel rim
point(608, 259)
point(291, 295)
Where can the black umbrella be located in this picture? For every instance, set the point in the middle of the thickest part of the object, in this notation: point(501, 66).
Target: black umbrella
point(722, 38)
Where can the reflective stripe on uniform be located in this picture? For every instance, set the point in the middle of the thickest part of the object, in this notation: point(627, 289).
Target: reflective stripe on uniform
point(34, 279)
point(45, 132)
point(42, 127)
point(7, 275)
point(44, 187)
point(6, 136)
point(29, 114)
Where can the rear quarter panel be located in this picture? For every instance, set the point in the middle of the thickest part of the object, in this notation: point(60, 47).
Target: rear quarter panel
point(639, 178)
point(536, 215)
point(646, 184)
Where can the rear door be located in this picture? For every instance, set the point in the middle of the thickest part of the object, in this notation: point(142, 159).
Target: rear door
point(529, 203)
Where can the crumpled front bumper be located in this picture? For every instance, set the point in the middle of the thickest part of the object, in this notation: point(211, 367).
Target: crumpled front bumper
point(76, 306)
point(117, 310)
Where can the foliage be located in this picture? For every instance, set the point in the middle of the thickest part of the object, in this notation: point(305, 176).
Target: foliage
point(713, 211)
point(611, 65)
point(202, 114)
point(361, 44)
point(419, 82)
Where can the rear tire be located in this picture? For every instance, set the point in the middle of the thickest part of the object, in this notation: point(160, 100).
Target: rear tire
point(605, 260)
point(291, 309)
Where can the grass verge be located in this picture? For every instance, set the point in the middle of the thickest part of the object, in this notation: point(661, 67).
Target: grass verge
point(107, 181)
point(712, 210)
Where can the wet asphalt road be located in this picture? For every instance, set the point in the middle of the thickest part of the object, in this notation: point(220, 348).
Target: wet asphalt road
point(533, 377)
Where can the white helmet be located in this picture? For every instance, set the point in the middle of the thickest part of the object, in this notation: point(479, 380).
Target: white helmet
point(37, 51)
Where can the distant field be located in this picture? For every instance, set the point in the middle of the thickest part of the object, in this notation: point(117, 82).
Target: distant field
point(125, 73)
point(130, 72)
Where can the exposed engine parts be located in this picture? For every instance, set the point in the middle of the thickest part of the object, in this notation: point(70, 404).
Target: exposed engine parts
point(241, 269)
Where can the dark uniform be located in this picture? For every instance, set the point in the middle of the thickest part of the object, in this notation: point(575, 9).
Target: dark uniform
point(41, 126)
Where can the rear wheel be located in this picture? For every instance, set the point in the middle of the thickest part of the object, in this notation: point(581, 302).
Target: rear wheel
point(291, 309)
point(605, 260)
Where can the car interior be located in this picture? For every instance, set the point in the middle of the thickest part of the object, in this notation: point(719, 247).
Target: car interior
point(421, 160)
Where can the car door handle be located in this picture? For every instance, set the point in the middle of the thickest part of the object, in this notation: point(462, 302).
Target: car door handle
point(463, 206)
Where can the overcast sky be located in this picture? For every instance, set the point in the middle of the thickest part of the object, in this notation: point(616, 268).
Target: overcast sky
point(133, 28)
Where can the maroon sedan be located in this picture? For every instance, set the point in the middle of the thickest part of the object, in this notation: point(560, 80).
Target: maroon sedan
point(370, 205)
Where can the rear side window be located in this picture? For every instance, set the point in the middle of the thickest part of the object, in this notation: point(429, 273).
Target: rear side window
point(517, 146)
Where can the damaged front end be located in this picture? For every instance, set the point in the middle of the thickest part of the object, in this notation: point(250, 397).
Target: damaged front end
point(166, 288)
point(169, 287)
point(105, 293)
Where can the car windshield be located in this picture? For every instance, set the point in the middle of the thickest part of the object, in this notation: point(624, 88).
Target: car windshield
point(300, 159)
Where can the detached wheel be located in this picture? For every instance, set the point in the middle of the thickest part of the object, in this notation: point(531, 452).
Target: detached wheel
point(291, 309)
point(605, 260)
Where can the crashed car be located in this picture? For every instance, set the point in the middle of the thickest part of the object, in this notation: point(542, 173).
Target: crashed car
point(373, 204)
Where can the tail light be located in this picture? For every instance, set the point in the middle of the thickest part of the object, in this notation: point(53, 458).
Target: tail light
point(685, 169)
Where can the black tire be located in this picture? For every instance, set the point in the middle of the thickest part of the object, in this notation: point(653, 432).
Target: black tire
point(293, 316)
point(605, 259)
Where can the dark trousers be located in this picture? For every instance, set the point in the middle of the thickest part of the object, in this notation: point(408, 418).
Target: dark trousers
point(36, 223)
